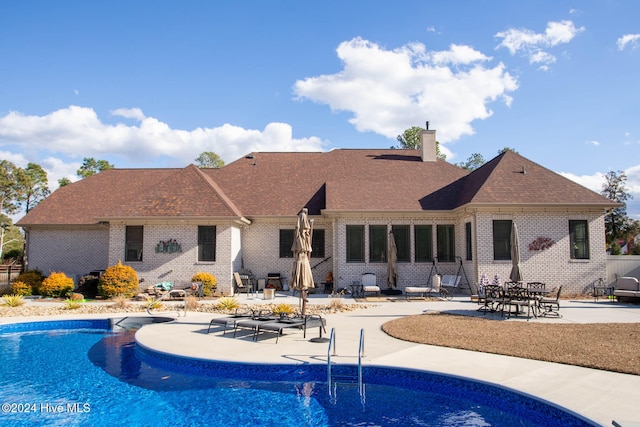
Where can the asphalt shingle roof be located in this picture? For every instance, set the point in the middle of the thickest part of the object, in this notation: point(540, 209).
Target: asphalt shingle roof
point(280, 184)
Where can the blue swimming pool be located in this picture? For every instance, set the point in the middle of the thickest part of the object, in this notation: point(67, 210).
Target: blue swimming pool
point(82, 373)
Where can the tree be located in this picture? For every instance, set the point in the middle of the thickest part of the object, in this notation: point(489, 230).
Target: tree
point(615, 189)
point(63, 181)
point(11, 187)
point(36, 186)
point(91, 166)
point(209, 159)
point(410, 140)
point(11, 239)
point(506, 149)
point(473, 162)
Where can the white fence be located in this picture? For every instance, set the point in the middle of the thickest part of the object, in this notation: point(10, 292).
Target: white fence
point(622, 265)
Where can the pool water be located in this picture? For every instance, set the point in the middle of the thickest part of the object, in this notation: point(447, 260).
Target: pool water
point(80, 373)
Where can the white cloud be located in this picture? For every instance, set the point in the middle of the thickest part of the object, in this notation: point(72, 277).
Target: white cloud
point(593, 182)
point(129, 113)
point(532, 44)
point(596, 181)
point(57, 140)
point(628, 39)
point(596, 143)
point(389, 91)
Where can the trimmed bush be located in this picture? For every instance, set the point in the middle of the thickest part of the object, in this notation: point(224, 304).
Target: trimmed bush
point(209, 282)
point(118, 280)
point(32, 278)
point(56, 285)
point(21, 288)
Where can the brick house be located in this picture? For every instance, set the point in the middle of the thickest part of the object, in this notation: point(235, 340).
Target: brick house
point(169, 224)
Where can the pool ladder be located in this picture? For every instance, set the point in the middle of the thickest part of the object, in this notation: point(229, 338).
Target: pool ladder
point(333, 379)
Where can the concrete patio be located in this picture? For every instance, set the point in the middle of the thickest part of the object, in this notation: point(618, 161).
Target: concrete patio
point(598, 395)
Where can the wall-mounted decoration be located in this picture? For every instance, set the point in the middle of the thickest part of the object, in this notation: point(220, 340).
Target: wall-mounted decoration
point(541, 243)
point(168, 247)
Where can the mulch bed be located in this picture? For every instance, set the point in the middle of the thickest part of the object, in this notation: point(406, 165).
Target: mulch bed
point(607, 346)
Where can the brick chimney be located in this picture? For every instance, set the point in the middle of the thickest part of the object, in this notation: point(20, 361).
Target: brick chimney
point(428, 145)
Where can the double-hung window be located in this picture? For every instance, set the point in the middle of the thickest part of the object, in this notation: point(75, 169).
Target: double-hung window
point(286, 242)
point(501, 240)
point(401, 238)
point(355, 243)
point(423, 242)
point(579, 239)
point(133, 242)
point(206, 243)
point(446, 243)
point(317, 244)
point(377, 243)
point(467, 233)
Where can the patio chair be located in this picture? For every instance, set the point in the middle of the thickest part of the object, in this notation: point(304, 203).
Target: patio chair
point(519, 297)
point(550, 306)
point(242, 285)
point(369, 284)
point(493, 299)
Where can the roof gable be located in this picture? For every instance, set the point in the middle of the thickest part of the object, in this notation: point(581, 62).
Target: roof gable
point(510, 178)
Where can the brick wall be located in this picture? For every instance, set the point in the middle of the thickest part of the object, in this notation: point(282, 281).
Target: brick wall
point(181, 266)
point(74, 252)
point(261, 250)
point(552, 266)
point(256, 247)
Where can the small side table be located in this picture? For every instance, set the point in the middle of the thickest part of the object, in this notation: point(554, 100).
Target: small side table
point(602, 291)
point(356, 290)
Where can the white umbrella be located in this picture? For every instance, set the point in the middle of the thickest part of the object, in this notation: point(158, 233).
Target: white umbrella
point(301, 276)
point(392, 262)
point(516, 274)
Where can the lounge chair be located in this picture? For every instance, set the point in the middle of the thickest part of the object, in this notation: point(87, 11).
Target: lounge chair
point(259, 318)
point(230, 321)
point(278, 326)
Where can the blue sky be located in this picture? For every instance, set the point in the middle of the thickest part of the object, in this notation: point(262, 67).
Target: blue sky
point(155, 83)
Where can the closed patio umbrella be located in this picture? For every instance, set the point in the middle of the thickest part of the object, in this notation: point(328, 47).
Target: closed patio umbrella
point(516, 273)
point(301, 276)
point(392, 262)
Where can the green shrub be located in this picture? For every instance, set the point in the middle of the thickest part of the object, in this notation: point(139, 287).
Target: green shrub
point(32, 278)
point(72, 304)
point(12, 300)
point(154, 304)
point(615, 248)
point(118, 280)
point(21, 288)
point(227, 303)
point(283, 308)
point(209, 282)
point(56, 285)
